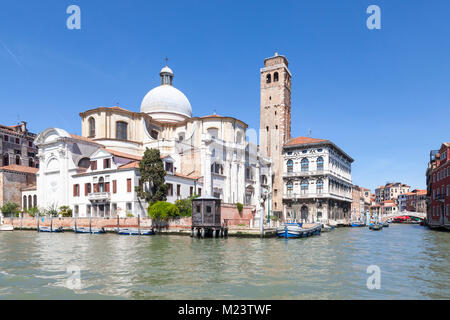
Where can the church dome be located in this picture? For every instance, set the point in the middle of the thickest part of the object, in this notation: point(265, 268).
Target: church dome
point(166, 103)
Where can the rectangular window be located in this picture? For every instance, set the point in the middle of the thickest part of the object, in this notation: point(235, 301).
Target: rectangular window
point(94, 165)
point(129, 206)
point(199, 191)
point(30, 144)
point(191, 191)
point(87, 189)
point(17, 141)
point(128, 185)
point(107, 187)
point(170, 189)
point(178, 189)
point(106, 163)
point(5, 137)
point(114, 186)
point(76, 190)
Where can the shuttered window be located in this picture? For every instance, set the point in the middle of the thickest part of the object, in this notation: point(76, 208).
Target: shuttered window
point(128, 185)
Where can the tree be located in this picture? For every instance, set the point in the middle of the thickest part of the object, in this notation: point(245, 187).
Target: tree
point(65, 211)
point(33, 211)
point(10, 208)
point(185, 206)
point(152, 172)
point(162, 210)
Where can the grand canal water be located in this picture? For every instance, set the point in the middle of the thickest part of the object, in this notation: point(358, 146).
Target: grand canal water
point(414, 264)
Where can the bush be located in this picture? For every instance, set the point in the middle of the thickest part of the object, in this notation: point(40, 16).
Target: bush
point(10, 208)
point(32, 212)
point(185, 206)
point(162, 210)
point(65, 211)
point(240, 207)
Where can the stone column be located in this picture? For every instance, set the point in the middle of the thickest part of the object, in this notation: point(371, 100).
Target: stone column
point(208, 182)
point(241, 181)
point(234, 178)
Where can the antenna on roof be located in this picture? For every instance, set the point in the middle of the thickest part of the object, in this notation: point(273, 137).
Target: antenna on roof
point(309, 133)
point(167, 61)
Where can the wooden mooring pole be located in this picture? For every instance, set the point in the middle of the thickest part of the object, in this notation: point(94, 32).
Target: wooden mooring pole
point(37, 223)
point(118, 223)
point(90, 223)
point(139, 224)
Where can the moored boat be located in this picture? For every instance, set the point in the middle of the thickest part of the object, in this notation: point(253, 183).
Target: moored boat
point(6, 227)
point(49, 229)
point(326, 228)
point(356, 224)
point(90, 231)
point(375, 227)
point(296, 230)
point(135, 232)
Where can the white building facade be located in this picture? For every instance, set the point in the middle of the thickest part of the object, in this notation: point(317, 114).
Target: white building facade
point(317, 181)
point(96, 173)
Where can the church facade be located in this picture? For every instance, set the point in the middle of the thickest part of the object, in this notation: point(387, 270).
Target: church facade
point(95, 174)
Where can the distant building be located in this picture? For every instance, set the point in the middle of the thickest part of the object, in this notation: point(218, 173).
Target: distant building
point(317, 181)
point(402, 201)
point(18, 164)
point(361, 201)
point(438, 188)
point(416, 201)
point(390, 191)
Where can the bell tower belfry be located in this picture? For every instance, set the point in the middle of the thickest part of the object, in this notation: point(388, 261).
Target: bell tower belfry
point(275, 120)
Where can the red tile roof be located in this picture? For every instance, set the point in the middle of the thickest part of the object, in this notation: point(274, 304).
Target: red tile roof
point(18, 168)
point(123, 154)
point(184, 176)
point(304, 140)
point(134, 164)
point(74, 136)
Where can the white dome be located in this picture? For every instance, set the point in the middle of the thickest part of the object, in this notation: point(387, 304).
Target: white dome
point(166, 103)
point(166, 69)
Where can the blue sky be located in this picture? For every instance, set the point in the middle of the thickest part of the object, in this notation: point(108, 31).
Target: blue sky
point(381, 95)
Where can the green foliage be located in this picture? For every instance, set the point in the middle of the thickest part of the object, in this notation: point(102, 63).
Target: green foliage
point(10, 208)
point(51, 211)
point(240, 207)
point(65, 211)
point(152, 172)
point(185, 206)
point(32, 212)
point(162, 210)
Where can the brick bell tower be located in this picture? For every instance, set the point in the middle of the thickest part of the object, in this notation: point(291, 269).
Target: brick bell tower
point(275, 121)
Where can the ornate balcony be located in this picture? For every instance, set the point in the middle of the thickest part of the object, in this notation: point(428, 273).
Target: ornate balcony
point(305, 173)
point(99, 196)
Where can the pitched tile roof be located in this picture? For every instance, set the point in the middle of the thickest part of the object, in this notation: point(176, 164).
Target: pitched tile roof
point(304, 140)
point(123, 154)
point(18, 168)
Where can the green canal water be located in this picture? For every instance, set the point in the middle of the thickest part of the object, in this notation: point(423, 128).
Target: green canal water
point(414, 264)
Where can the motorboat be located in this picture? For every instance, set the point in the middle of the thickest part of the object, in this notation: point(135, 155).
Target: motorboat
point(49, 229)
point(6, 227)
point(296, 230)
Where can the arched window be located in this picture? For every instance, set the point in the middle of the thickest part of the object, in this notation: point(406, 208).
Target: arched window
point(289, 186)
point(319, 186)
point(6, 160)
point(91, 127)
point(29, 202)
point(17, 160)
point(84, 163)
point(275, 77)
point(305, 165)
point(213, 133)
point(121, 130)
point(269, 78)
point(217, 168)
point(263, 179)
point(290, 166)
point(239, 137)
point(24, 206)
point(101, 185)
point(35, 201)
point(304, 186)
point(319, 164)
point(31, 163)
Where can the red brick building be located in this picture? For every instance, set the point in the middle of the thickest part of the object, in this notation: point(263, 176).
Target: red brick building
point(438, 192)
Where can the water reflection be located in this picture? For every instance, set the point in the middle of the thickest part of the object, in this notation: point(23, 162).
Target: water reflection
point(414, 264)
